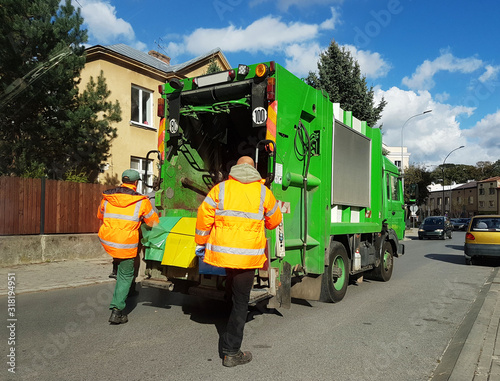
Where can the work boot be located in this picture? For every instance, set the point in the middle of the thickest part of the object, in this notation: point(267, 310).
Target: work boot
point(238, 359)
point(112, 275)
point(117, 317)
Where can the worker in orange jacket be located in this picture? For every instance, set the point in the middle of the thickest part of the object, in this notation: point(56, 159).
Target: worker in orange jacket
point(122, 211)
point(230, 229)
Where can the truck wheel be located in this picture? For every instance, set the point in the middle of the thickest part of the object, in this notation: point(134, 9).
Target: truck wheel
point(336, 276)
point(384, 271)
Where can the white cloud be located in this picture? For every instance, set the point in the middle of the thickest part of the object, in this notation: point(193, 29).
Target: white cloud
point(491, 73)
point(103, 24)
point(485, 135)
point(429, 137)
point(277, 36)
point(302, 58)
point(422, 79)
point(331, 22)
point(371, 64)
point(443, 97)
point(283, 5)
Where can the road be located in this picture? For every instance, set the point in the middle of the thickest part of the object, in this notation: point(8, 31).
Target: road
point(381, 331)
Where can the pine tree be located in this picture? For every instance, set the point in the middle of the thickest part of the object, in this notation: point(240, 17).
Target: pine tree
point(340, 76)
point(213, 66)
point(45, 124)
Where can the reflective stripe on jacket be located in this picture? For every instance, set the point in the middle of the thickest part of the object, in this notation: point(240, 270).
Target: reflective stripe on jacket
point(122, 211)
point(231, 222)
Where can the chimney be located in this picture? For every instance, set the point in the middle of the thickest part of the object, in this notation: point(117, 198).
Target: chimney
point(158, 55)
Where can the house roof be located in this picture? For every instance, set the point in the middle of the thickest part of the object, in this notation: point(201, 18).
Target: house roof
point(470, 184)
point(158, 64)
point(496, 178)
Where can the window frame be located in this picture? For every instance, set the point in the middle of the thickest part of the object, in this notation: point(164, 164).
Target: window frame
point(140, 168)
point(140, 109)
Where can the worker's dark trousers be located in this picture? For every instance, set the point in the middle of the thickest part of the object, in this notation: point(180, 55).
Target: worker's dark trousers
point(240, 284)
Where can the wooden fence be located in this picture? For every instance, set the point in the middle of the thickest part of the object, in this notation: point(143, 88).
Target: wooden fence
point(40, 206)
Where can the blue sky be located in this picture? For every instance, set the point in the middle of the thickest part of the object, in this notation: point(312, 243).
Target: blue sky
point(418, 54)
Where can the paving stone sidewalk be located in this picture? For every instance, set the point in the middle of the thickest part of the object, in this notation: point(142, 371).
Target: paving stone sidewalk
point(53, 275)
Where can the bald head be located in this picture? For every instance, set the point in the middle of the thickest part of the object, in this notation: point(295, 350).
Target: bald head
point(246, 160)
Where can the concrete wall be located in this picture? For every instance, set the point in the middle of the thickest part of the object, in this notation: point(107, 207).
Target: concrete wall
point(17, 250)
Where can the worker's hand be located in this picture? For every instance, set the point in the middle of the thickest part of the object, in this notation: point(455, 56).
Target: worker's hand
point(200, 251)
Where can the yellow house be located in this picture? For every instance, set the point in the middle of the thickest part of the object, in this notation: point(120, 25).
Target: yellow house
point(133, 78)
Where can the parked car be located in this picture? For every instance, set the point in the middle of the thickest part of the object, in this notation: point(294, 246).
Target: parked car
point(482, 239)
point(460, 223)
point(435, 227)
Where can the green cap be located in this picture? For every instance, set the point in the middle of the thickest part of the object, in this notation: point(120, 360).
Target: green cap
point(130, 175)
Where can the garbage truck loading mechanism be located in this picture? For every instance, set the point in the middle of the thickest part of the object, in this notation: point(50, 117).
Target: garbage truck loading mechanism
point(341, 199)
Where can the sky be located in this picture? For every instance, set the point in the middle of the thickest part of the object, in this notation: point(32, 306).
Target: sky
point(418, 55)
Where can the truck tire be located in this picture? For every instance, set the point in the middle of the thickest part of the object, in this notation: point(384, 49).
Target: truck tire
point(384, 270)
point(336, 277)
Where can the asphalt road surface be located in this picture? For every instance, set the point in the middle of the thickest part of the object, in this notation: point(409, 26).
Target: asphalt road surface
point(381, 331)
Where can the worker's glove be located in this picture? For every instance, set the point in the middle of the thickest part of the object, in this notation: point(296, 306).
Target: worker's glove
point(200, 251)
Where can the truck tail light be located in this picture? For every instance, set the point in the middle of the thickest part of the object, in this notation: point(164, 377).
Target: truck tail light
point(161, 107)
point(261, 70)
point(271, 89)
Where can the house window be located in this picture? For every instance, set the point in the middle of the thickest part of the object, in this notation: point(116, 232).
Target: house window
point(471, 200)
point(139, 164)
point(481, 191)
point(439, 201)
point(492, 190)
point(141, 111)
point(481, 204)
point(492, 203)
point(397, 163)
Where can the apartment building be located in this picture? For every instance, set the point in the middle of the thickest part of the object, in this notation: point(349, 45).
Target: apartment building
point(488, 195)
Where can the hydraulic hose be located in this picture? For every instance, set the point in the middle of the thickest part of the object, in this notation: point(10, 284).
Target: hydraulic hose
point(304, 181)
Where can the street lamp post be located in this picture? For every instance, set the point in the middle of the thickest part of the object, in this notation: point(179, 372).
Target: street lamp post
point(443, 172)
point(402, 166)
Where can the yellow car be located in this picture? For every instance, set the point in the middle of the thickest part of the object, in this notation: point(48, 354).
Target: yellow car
point(482, 238)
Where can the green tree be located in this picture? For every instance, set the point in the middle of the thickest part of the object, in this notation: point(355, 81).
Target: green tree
point(45, 124)
point(484, 170)
point(213, 66)
point(340, 76)
point(417, 175)
point(92, 117)
point(458, 173)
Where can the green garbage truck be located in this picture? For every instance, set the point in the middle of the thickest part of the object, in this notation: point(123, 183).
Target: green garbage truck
point(341, 198)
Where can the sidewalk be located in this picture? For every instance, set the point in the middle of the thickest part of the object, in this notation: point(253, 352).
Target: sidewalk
point(53, 275)
point(472, 355)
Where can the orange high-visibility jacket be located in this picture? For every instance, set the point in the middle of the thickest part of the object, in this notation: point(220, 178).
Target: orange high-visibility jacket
point(122, 210)
point(231, 222)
